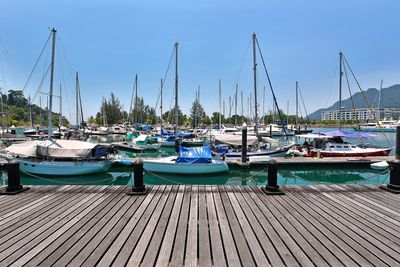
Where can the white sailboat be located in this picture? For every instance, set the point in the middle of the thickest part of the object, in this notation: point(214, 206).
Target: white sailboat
point(59, 157)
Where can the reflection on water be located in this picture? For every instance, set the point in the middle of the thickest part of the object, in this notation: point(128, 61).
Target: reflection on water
point(236, 176)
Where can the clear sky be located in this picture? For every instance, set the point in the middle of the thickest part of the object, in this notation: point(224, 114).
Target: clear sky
point(108, 42)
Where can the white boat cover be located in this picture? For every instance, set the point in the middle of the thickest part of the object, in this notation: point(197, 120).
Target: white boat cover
point(53, 149)
point(235, 140)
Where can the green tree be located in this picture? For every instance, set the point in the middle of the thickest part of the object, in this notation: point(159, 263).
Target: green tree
point(196, 113)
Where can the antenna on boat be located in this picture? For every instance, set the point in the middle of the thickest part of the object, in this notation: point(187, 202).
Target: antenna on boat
point(53, 48)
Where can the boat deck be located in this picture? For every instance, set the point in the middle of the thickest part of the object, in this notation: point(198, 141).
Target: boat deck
point(335, 225)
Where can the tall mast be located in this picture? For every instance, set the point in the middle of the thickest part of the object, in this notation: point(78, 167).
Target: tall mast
point(255, 85)
point(379, 101)
point(176, 90)
point(263, 110)
point(219, 94)
point(340, 90)
point(80, 104)
point(136, 101)
point(241, 96)
point(236, 95)
point(297, 102)
point(161, 104)
point(53, 48)
point(60, 120)
point(77, 99)
point(30, 113)
point(223, 108)
point(230, 108)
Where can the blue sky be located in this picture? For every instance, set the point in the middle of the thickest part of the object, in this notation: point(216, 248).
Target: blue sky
point(109, 42)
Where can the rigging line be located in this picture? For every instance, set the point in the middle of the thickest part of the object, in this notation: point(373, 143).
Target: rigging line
point(37, 61)
point(272, 90)
point(365, 98)
point(41, 83)
point(241, 66)
point(304, 105)
point(351, 96)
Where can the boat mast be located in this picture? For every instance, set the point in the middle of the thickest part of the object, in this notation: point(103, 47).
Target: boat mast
point(379, 101)
point(161, 104)
point(255, 85)
point(30, 113)
point(297, 103)
point(136, 101)
point(263, 110)
point(176, 90)
point(236, 95)
point(241, 96)
point(76, 100)
point(53, 48)
point(219, 94)
point(340, 89)
point(60, 119)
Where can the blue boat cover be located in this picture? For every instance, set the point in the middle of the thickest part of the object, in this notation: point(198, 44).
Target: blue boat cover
point(165, 133)
point(340, 133)
point(194, 155)
point(146, 127)
point(185, 135)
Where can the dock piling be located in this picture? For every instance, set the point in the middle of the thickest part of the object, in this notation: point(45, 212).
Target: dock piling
point(138, 187)
point(14, 180)
point(272, 187)
point(244, 143)
point(394, 180)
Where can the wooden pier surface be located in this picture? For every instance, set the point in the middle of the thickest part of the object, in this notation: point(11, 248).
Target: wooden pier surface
point(346, 225)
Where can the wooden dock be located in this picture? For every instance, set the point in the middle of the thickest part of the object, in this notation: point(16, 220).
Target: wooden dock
point(335, 225)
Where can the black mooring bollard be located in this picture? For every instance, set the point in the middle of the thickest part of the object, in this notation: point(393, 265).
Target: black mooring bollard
point(244, 143)
point(138, 187)
point(14, 180)
point(272, 187)
point(394, 180)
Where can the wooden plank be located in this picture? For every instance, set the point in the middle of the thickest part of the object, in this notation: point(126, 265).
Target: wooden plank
point(364, 218)
point(58, 225)
point(353, 247)
point(368, 238)
point(32, 229)
point(328, 251)
point(255, 247)
point(217, 248)
point(245, 255)
point(191, 239)
point(168, 240)
point(91, 223)
point(231, 252)
point(95, 245)
point(178, 252)
point(123, 246)
point(36, 215)
point(139, 238)
point(204, 249)
point(149, 244)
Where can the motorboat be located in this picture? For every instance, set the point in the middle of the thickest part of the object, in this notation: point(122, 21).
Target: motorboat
point(332, 144)
point(191, 161)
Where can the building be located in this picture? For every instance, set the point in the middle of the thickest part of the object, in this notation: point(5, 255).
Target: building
point(361, 114)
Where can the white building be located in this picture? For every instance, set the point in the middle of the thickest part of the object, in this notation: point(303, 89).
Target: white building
point(361, 114)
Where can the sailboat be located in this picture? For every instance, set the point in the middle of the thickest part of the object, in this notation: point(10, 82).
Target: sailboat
point(59, 157)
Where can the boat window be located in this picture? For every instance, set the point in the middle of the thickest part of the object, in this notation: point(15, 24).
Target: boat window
point(346, 146)
point(353, 146)
point(332, 146)
point(339, 146)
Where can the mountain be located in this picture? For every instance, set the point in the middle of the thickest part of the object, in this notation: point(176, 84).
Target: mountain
point(390, 99)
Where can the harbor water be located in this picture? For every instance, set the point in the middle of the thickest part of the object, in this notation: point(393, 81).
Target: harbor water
point(255, 175)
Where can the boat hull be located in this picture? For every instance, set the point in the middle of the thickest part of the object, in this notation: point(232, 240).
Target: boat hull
point(366, 153)
point(168, 165)
point(63, 168)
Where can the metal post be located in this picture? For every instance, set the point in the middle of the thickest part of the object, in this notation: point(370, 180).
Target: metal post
point(394, 181)
point(14, 180)
point(138, 187)
point(272, 187)
point(244, 143)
